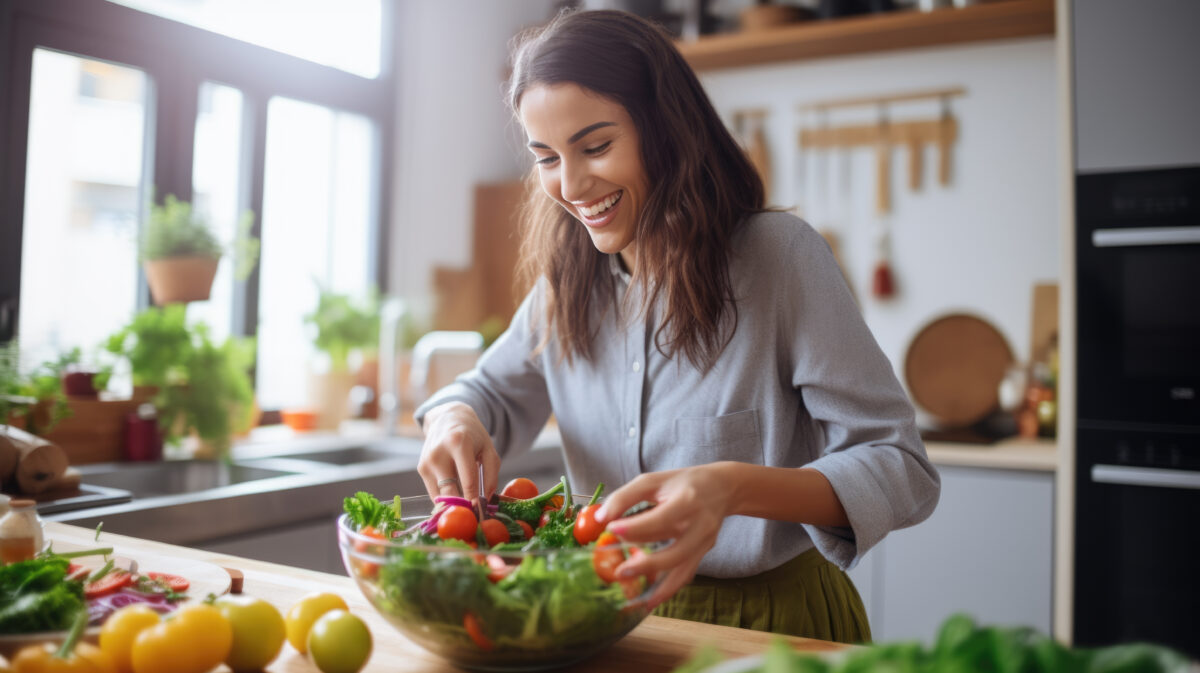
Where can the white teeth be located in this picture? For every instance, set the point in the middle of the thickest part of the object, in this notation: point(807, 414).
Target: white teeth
point(600, 207)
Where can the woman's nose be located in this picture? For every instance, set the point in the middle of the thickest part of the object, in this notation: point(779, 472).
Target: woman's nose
point(575, 180)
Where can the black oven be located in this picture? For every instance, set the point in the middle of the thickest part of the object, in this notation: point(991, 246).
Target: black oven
point(1137, 508)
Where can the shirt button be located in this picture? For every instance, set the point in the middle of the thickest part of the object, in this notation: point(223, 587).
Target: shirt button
point(632, 431)
point(637, 367)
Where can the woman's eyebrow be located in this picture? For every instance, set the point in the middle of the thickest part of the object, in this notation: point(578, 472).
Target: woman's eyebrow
point(576, 136)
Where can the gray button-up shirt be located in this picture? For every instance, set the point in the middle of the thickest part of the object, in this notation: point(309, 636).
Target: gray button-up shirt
point(802, 383)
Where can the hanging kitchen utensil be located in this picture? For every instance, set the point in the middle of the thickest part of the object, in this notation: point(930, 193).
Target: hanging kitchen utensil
point(883, 283)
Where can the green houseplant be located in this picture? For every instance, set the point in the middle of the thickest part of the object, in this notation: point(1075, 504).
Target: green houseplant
point(199, 387)
point(33, 400)
point(343, 326)
point(180, 253)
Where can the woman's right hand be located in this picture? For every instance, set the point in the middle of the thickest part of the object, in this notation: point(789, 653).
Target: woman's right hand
point(456, 443)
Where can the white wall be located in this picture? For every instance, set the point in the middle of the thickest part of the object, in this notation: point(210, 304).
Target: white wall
point(453, 128)
point(978, 245)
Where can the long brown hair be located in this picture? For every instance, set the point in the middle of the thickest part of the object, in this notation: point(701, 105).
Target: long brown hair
point(702, 187)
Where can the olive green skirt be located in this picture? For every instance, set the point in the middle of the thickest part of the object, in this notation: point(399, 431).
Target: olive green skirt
point(807, 596)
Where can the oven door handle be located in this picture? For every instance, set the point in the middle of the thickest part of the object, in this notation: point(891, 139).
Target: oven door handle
point(1145, 476)
point(1133, 236)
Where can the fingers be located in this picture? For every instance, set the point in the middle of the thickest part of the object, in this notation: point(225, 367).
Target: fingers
point(491, 469)
point(671, 583)
point(643, 487)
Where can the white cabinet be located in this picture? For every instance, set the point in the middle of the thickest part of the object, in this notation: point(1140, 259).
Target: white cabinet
point(986, 551)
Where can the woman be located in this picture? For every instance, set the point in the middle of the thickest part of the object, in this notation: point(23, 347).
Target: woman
point(697, 350)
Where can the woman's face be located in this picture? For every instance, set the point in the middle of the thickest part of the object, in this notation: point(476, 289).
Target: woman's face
point(589, 160)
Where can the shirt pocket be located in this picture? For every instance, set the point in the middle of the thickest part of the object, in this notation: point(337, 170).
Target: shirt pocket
point(706, 439)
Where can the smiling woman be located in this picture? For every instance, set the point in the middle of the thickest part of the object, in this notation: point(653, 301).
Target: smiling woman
point(697, 349)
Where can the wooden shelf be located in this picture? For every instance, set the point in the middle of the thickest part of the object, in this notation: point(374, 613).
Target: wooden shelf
point(907, 29)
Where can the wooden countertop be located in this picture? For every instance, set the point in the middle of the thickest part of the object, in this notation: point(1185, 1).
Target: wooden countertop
point(657, 644)
point(1012, 454)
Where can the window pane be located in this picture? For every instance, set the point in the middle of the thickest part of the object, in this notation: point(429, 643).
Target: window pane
point(317, 201)
point(217, 188)
point(83, 189)
point(344, 34)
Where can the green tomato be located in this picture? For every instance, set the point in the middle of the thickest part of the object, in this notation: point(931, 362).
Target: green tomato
point(339, 642)
point(258, 632)
point(304, 612)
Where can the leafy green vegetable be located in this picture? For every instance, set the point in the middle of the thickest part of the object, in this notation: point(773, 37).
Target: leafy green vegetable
point(556, 533)
point(963, 647)
point(365, 510)
point(35, 596)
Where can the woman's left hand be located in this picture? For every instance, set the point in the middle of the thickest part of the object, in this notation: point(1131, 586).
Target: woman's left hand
point(691, 504)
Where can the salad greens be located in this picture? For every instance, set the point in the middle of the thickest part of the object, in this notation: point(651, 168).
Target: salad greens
point(365, 510)
point(515, 604)
point(36, 596)
point(963, 647)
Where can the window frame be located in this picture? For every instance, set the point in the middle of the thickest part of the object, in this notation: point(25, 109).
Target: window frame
point(178, 58)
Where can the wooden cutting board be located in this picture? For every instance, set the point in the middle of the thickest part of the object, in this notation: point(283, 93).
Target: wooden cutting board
point(954, 366)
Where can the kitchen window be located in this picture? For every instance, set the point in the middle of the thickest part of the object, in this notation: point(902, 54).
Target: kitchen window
point(106, 107)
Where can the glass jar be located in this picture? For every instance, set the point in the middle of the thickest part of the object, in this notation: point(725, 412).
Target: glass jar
point(20, 532)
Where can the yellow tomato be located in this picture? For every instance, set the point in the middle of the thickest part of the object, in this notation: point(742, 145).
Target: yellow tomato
point(193, 640)
point(122, 627)
point(300, 617)
point(85, 658)
point(339, 642)
point(258, 632)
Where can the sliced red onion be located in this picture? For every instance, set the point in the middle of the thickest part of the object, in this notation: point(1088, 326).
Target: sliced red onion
point(452, 501)
point(100, 608)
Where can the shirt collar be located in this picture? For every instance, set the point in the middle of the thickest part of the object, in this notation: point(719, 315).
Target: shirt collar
point(614, 265)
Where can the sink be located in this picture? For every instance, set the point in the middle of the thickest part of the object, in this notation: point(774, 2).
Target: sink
point(342, 456)
point(173, 477)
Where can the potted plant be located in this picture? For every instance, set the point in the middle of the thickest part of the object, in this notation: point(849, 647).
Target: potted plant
point(180, 253)
point(344, 327)
point(33, 401)
point(199, 388)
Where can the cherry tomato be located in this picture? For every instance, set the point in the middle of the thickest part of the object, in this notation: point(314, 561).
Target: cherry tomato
point(475, 630)
point(174, 582)
point(339, 642)
point(586, 527)
point(304, 612)
point(607, 556)
point(527, 528)
point(196, 638)
point(555, 502)
point(258, 632)
point(545, 519)
point(366, 568)
point(110, 583)
point(520, 488)
point(494, 532)
point(457, 523)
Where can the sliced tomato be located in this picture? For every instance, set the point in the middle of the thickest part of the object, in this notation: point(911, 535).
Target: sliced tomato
point(607, 556)
point(475, 630)
point(497, 568)
point(110, 583)
point(78, 572)
point(175, 583)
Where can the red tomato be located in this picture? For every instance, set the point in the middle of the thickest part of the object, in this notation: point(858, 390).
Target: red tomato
point(520, 488)
point(586, 527)
point(110, 583)
point(527, 528)
point(457, 523)
point(545, 519)
point(555, 502)
point(475, 630)
point(174, 582)
point(607, 556)
point(367, 568)
point(494, 532)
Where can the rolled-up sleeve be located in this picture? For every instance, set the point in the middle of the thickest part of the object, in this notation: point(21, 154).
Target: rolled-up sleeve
point(507, 387)
point(873, 457)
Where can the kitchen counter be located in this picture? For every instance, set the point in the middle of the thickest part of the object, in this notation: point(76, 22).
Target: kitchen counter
point(1012, 454)
point(657, 644)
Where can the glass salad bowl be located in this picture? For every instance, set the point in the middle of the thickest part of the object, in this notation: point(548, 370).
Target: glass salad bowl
point(502, 609)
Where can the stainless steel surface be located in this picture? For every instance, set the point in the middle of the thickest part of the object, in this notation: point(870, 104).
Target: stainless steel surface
point(1115, 238)
point(173, 477)
point(1145, 476)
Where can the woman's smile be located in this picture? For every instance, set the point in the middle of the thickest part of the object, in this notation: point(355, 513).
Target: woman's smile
point(600, 212)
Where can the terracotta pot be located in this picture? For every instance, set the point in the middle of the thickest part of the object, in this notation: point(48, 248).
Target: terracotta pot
point(181, 279)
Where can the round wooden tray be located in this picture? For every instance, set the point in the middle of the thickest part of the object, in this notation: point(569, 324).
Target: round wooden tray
point(954, 367)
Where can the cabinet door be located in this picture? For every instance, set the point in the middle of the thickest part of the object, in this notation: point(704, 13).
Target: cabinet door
point(985, 551)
